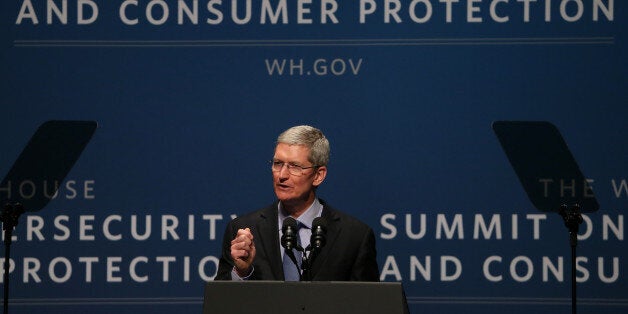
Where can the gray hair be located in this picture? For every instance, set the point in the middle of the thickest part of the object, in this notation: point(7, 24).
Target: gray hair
point(311, 138)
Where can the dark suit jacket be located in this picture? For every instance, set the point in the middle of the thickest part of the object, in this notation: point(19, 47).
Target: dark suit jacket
point(349, 254)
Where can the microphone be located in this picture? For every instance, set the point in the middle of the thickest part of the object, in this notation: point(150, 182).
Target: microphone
point(317, 241)
point(319, 233)
point(289, 234)
point(289, 241)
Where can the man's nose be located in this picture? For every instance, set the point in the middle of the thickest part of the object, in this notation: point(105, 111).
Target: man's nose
point(284, 173)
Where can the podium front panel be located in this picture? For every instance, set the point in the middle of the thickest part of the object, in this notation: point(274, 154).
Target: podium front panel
point(303, 297)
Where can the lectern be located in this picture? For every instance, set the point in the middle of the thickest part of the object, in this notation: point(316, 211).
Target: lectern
point(278, 297)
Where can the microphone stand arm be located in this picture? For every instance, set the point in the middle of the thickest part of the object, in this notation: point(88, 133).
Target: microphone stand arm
point(306, 263)
point(308, 260)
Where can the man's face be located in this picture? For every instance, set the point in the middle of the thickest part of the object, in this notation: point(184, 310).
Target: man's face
point(294, 190)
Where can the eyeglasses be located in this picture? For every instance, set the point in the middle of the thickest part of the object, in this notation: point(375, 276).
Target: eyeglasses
point(293, 169)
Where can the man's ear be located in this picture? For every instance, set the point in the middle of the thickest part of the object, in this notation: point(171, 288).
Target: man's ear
point(321, 173)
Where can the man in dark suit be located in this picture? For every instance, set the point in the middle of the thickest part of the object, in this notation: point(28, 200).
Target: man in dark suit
point(251, 246)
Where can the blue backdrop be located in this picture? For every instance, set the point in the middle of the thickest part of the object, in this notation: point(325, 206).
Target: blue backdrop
point(190, 95)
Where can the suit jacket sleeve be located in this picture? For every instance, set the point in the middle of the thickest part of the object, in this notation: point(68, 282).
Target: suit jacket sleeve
point(225, 265)
point(365, 267)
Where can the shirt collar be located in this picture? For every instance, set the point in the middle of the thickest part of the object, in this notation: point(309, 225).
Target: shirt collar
point(315, 210)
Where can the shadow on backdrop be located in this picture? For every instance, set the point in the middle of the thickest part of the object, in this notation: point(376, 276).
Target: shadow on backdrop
point(550, 176)
point(37, 174)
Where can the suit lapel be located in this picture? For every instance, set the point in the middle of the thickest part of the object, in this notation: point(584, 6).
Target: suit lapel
point(333, 231)
point(267, 225)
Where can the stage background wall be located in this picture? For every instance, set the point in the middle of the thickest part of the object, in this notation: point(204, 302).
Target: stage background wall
point(188, 113)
